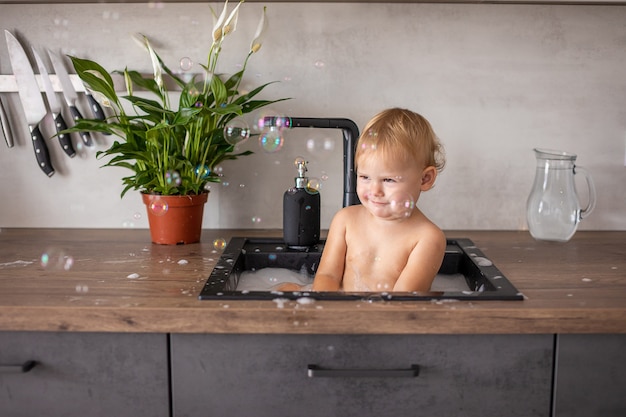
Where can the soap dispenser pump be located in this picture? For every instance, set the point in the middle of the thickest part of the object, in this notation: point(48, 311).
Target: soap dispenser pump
point(301, 211)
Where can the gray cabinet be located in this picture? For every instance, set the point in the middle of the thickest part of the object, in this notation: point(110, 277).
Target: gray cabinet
point(590, 376)
point(361, 375)
point(83, 374)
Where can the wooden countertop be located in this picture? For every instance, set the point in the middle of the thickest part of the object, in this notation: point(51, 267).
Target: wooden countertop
point(117, 281)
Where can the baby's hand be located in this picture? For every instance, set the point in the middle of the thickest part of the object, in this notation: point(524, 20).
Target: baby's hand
point(289, 286)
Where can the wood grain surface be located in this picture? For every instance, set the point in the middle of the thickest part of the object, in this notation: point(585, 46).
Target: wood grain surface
point(117, 281)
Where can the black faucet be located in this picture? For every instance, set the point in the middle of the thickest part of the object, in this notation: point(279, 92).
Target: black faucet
point(350, 135)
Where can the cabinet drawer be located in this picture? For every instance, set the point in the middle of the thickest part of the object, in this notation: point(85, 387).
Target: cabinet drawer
point(362, 375)
point(590, 375)
point(83, 374)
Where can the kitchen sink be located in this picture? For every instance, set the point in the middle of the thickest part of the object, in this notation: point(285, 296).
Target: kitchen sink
point(473, 275)
point(482, 279)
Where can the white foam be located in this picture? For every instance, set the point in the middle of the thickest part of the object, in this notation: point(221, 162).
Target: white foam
point(269, 279)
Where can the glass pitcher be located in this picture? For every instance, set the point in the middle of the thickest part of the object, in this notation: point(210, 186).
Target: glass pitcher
point(553, 210)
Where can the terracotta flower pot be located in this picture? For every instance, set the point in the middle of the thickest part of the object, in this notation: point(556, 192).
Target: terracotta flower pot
point(175, 219)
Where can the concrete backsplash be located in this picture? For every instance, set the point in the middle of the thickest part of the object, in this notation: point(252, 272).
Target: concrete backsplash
point(494, 80)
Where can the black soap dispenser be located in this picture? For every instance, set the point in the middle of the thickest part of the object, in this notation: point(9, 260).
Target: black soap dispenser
point(301, 211)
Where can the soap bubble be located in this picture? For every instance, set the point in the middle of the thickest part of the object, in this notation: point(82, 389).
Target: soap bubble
point(299, 161)
point(158, 207)
point(185, 63)
point(314, 185)
point(172, 178)
point(319, 64)
point(236, 131)
point(80, 288)
point(202, 171)
point(319, 145)
point(55, 258)
point(268, 118)
point(256, 219)
point(219, 243)
point(127, 224)
point(401, 205)
point(271, 140)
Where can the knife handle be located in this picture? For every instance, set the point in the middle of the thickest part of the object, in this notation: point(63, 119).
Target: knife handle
point(6, 128)
point(85, 136)
point(41, 151)
point(64, 139)
point(96, 108)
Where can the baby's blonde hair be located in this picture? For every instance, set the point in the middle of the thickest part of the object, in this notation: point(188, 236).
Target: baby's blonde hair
point(400, 134)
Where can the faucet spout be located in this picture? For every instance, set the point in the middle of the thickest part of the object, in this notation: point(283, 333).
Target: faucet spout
point(350, 133)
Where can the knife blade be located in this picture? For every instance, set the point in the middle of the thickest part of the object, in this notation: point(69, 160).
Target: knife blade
point(69, 93)
point(6, 128)
point(55, 108)
point(31, 99)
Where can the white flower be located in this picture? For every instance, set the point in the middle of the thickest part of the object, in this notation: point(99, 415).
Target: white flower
point(156, 66)
point(143, 41)
point(129, 83)
point(231, 23)
point(223, 26)
point(256, 43)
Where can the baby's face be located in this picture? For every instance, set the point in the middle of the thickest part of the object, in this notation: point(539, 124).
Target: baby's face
point(388, 189)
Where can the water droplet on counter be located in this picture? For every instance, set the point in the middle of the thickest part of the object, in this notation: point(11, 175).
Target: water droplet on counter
point(481, 261)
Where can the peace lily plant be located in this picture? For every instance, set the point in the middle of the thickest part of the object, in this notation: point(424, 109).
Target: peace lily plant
point(175, 150)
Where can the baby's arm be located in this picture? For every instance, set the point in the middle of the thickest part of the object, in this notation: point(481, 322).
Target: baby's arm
point(329, 274)
point(424, 262)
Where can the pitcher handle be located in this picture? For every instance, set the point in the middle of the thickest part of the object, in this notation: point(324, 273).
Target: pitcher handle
point(592, 192)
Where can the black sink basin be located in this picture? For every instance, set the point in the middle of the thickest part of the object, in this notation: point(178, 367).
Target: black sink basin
point(484, 281)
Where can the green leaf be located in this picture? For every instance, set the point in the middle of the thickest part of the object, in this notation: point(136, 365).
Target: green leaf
point(96, 77)
point(145, 83)
point(218, 89)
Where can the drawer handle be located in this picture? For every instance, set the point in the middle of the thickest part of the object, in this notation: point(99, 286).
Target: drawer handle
point(14, 369)
point(314, 371)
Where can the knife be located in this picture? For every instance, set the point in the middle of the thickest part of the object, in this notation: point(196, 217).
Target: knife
point(31, 99)
point(69, 93)
point(96, 108)
point(6, 128)
point(55, 108)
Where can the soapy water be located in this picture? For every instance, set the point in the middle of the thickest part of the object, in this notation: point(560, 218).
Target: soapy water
point(270, 279)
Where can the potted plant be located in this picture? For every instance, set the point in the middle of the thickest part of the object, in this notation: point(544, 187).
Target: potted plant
point(173, 151)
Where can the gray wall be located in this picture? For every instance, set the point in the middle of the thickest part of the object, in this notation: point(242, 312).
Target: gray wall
point(494, 80)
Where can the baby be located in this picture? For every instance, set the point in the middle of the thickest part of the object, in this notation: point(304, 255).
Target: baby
point(386, 243)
